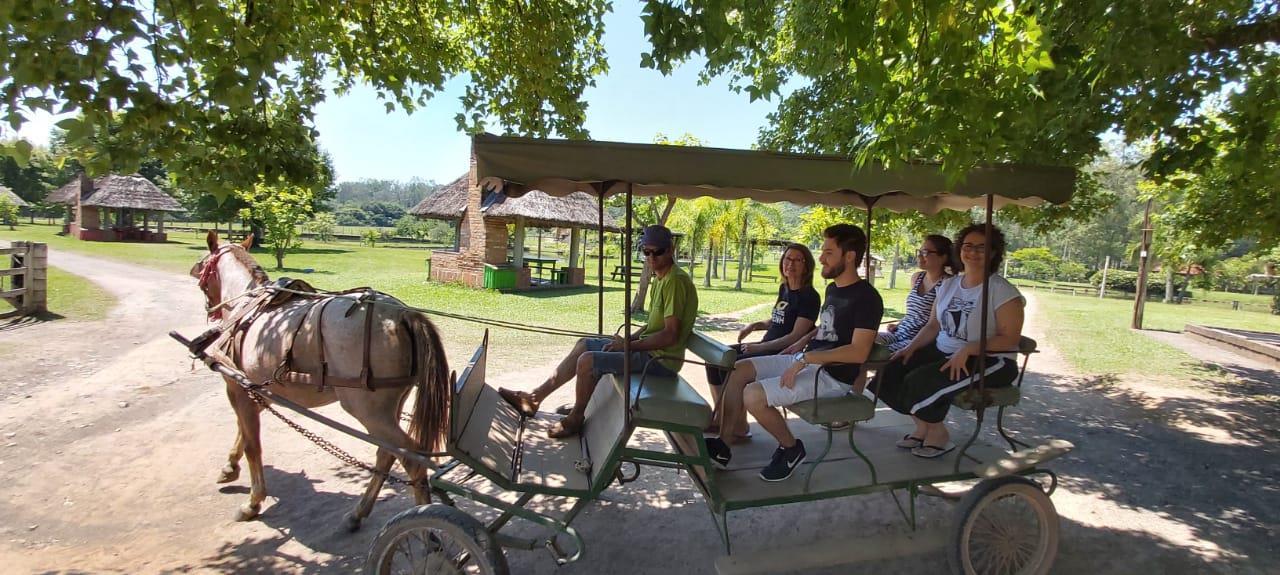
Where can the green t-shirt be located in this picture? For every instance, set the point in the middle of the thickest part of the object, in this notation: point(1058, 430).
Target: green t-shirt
point(673, 295)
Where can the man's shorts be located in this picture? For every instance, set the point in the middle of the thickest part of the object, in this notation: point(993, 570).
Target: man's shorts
point(603, 362)
point(769, 370)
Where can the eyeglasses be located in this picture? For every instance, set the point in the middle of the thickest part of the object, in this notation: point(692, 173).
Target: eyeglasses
point(653, 252)
point(923, 253)
point(975, 248)
point(797, 261)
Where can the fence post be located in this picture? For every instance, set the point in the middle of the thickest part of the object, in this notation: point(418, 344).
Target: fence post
point(1235, 305)
point(36, 300)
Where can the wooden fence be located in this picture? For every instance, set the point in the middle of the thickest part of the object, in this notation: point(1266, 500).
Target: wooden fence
point(25, 283)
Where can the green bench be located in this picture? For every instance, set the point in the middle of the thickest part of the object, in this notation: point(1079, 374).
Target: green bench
point(666, 402)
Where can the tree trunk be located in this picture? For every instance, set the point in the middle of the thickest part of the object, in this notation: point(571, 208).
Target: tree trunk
point(279, 258)
point(713, 260)
point(724, 261)
point(711, 264)
point(742, 253)
point(893, 267)
point(637, 302)
point(1168, 286)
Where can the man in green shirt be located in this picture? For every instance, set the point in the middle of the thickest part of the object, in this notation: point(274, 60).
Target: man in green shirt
point(673, 305)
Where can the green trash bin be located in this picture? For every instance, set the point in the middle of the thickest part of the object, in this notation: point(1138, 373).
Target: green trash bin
point(499, 277)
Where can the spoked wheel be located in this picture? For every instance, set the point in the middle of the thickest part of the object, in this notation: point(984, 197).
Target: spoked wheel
point(435, 539)
point(1004, 526)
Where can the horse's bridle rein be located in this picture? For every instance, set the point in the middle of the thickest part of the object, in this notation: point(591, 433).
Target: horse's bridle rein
point(212, 288)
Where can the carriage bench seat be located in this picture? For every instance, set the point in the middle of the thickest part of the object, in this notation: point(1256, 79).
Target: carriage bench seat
point(665, 401)
point(1009, 396)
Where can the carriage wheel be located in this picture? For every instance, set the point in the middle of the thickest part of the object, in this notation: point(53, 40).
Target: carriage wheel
point(435, 539)
point(1004, 526)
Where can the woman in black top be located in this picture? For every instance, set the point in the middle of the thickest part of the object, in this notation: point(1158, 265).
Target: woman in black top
point(794, 314)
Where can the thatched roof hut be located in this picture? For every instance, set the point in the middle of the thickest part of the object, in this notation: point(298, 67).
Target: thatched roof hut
point(13, 198)
point(576, 210)
point(115, 191)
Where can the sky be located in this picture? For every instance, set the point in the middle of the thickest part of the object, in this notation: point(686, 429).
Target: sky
point(629, 104)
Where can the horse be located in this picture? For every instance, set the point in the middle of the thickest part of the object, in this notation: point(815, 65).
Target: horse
point(333, 338)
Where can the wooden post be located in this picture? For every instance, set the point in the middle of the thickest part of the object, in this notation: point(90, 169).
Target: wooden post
point(573, 247)
point(36, 300)
point(1140, 301)
point(517, 257)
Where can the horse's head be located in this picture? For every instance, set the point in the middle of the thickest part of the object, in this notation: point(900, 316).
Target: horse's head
point(227, 270)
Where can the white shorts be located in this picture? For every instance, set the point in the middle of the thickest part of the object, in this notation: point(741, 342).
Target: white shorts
point(769, 370)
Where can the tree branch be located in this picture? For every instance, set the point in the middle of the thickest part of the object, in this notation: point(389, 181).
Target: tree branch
point(1250, 34)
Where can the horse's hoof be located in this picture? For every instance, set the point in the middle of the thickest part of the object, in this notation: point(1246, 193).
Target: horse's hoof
point(247, 512)
point(229, 474)
point(351, 522)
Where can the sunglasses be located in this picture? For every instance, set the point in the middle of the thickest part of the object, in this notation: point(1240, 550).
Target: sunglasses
point(653, 252)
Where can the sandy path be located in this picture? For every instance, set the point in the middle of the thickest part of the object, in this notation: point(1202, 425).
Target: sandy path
point(1164, 480)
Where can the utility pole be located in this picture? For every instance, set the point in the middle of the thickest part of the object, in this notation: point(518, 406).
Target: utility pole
point(1144, 256)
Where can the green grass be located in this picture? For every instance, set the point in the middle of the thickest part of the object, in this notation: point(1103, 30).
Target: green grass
point(73, 297)
point(1095, 338)
point(402, 272)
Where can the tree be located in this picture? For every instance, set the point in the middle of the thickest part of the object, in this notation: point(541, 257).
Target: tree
point(280, 208)
point(322, 226)
point(193, 76)
point(8, 212)
point(989, 80)
point(656, 210)
point(1035, 263)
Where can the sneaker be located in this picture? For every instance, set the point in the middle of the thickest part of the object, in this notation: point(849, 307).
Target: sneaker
point(784, 463)
point(719, 451)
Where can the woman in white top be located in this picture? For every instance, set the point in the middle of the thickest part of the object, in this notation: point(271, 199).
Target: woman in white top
point(942, 360)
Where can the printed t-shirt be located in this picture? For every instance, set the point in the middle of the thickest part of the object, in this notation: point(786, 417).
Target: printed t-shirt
point(672, 295)
point(955, 306)
point(844, 309)
point(791, 304)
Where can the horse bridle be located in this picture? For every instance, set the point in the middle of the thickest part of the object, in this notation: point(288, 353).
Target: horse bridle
point(209, 284)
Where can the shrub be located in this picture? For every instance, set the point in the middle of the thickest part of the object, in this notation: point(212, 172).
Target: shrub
point(370, 238)
point(1127, 282)
point(322, 226)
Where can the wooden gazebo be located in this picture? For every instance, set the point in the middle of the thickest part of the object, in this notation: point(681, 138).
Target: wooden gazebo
point(481, 256)
point(115, 208)
point(13, 198)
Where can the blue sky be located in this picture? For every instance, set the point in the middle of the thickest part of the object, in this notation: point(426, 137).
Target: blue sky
point(630, 104)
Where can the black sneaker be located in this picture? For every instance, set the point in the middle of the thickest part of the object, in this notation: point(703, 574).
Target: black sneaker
point(719, 451)
point(785, 461)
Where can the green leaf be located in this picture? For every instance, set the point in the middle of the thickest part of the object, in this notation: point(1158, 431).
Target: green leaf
point(22, 153)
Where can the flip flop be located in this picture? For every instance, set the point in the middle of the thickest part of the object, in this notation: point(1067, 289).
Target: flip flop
point(932, 451)
point(520, 400)
point(909, 442)
point(564, 430)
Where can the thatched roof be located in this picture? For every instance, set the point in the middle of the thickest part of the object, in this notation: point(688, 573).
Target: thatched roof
point(12, 197)
point(116, 191)
point(577, 210)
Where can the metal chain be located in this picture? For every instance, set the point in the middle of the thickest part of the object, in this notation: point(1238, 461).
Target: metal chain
point(324, 444)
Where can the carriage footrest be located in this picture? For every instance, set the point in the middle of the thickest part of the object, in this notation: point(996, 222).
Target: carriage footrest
point(1025, 459)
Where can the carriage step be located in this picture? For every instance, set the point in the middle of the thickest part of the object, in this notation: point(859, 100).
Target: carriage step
point(833, 552)
point(1025, 459)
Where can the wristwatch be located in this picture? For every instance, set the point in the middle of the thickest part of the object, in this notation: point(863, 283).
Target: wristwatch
point(800, 358)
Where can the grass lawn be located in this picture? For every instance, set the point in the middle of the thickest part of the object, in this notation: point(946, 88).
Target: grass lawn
point(402, 272)
point(73, 297)
point(1095, 338)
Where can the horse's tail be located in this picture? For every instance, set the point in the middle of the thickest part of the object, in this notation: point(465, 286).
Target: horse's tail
point(429, 421)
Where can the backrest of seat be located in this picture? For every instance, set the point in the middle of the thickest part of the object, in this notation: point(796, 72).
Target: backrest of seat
point(466, 391)
point(710, 350)
point(1026, 345)
point(605, 429)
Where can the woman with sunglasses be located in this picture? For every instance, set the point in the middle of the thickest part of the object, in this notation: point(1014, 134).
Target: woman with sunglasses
point(943, 359)
point(794, 313)
point(937, 262)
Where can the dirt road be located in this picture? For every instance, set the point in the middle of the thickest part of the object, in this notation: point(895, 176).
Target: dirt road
point(110, 444)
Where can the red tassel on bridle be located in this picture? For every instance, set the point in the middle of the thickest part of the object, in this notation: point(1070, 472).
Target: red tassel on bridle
point(210, 286)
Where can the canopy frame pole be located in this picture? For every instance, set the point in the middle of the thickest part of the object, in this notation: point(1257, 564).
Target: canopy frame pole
point(600, 259)
point(986, 305)
point(626, 307)
point(870, 203)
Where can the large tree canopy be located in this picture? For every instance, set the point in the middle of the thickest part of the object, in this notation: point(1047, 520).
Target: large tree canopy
point(230, 86)
point(1001, 80)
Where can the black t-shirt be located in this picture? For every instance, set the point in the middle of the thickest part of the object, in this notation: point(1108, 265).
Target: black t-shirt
point(855, 306)
point(791, 304)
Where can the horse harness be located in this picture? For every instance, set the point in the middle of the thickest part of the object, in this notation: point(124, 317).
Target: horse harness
point(274, 295)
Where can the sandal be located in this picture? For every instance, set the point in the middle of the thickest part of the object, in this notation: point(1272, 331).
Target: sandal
point(521, 400)
point(932, 451)
point(565, 429)
point(909, 441)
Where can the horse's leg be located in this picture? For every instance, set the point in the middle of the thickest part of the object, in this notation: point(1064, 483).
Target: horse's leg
point(250, 424)
point(232, 471)
point(383, 466)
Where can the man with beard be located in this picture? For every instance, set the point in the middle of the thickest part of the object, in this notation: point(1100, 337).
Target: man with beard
point(846, 330)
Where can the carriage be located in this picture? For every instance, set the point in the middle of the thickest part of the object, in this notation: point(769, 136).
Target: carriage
point(1003, 523)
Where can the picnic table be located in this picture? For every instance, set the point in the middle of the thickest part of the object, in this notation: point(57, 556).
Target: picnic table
point(541, 264)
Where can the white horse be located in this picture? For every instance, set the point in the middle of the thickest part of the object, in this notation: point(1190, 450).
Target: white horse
point(336, 343)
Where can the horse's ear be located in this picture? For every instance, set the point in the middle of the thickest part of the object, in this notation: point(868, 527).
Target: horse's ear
point(212, 240)
point(248, 242)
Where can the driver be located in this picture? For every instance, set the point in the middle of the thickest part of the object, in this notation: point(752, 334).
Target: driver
point(673, 305)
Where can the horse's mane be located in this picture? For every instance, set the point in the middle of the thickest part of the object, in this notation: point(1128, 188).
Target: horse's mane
point(242, 256)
